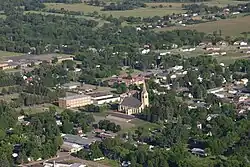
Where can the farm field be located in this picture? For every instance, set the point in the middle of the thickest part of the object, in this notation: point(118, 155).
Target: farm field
point(229, 27)
point(223, 3)
point(141, 12)
point(220, 3)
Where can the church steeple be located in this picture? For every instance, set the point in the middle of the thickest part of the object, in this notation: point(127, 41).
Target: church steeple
point(144, 96)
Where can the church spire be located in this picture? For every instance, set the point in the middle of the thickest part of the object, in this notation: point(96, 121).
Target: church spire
point(144, 96)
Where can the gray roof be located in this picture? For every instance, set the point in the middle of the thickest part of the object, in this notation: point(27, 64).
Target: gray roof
point(71, 84)
point(78, 140)
point(75, 97)
point(131, 102)
point(76, 165)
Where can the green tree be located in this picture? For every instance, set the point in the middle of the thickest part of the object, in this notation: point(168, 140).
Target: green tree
point(67, 127)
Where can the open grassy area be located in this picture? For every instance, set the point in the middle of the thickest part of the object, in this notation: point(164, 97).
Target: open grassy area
point(7, 54)
point(231, 58)
point(223, 3)
point(109, 162)
point(141, 12)
point(220, 3)
point(2, 16)
point(229, 27)
point(39, 109)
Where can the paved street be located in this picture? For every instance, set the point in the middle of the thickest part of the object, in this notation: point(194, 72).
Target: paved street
point(62, 156)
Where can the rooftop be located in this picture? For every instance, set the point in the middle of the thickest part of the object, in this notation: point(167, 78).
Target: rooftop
point(75, 97)
point(78, 140)
point(99, 94)
point(131, 102)
point(71, 84)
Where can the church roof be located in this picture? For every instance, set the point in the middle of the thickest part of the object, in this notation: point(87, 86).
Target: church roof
point(131, 102)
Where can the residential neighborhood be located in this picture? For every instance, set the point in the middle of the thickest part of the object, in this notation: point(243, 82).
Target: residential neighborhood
point(124, 84)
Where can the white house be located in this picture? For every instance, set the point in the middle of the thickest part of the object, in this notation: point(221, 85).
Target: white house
point(243, 43)
point(215, 90)
point(145, 51)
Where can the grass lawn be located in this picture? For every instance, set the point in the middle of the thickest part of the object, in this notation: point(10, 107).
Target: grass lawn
point(141, 12)
point(109, 162)
point(229, 27)
point(39, 109)
point(2, 16)
point(7, 54)
point(231, 58)
point(139, 123)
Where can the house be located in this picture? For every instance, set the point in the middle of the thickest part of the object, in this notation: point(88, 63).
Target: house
point(215, 90)
point(212, 48)
point(136, 103)
point(223, 53)
point(145, 51)
point(61, 164)
point(100, 98)
point(125, 163)
point(70, 147)
point(243, 43)
point(199, 152)
point(244, 47)
point(135, 80)
point(81, 141)
point(106, 135)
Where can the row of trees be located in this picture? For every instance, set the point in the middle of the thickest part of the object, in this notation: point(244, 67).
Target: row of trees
point(125, 5)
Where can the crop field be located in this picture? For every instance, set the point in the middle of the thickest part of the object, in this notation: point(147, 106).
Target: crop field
point(220, 3)
point(141, 12)
point(229, 27)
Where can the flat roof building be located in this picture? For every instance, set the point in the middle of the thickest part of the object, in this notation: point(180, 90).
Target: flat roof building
point(75, 101)
point(71, 85)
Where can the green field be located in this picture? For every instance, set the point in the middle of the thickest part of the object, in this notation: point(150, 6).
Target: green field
point(229, 27)
point(141, 12)
point(220, 3)
point(6, 54)
point(2, 16)
point(39, 109)
point(223, 3)
point(109, 162)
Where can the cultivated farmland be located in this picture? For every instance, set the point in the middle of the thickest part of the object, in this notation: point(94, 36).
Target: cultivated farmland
point(229, 27)
point(141, 12)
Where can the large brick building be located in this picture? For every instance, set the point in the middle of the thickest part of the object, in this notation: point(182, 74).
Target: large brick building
point(75, 101)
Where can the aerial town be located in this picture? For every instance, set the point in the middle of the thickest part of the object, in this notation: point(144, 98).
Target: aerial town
point(89, 84)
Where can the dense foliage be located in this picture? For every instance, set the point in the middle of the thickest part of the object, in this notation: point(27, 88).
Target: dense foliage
point(39, 139)
point(109, 126)
point(125, 5)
